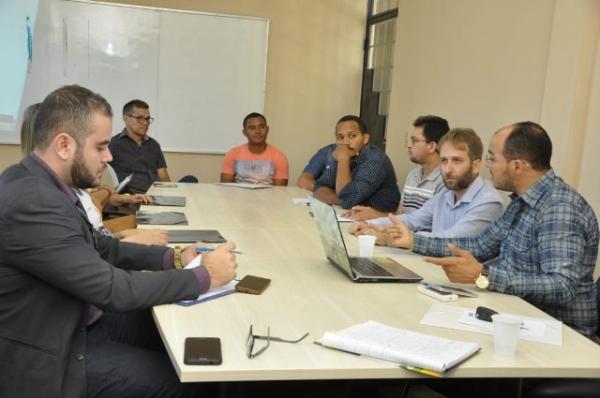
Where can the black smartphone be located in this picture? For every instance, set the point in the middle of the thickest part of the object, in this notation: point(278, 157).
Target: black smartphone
point(252, 284)
point(202, 351)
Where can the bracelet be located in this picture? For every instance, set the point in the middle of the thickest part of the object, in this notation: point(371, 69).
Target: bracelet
point(177, 258)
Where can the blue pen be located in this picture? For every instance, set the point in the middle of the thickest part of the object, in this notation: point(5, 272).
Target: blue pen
point(203, 249)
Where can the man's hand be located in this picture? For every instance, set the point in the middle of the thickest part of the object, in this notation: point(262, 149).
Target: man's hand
point(363, 228)
point(139, 198)
point(398, 234)
point(342, 152)
point(461, 267)
point(148, 237)
point(362, 213)
point(358, 227)
point(117, 199)
point(220, 264)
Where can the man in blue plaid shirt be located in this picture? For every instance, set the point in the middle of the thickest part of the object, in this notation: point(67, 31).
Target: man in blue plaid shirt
point(546, 241)
point(352, 172)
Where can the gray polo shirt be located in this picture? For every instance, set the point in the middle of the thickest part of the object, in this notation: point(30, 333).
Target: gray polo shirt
point(416, 191)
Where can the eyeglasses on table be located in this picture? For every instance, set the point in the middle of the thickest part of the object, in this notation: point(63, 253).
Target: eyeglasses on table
point(253, 337)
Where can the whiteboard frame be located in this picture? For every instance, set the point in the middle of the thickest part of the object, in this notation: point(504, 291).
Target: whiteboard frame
point(179, 150)
point(14, 137)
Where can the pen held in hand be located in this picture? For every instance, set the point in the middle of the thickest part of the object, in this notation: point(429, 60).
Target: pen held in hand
point(202, 249)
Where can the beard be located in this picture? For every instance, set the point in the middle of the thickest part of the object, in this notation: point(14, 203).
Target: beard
point(462, 182)
point(80, 175)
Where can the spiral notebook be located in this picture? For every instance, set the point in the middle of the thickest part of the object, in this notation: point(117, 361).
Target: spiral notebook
point(409, 349)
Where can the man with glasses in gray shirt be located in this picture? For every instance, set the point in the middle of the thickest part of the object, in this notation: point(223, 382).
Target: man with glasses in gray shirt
point(135, 153)
point(422, 182)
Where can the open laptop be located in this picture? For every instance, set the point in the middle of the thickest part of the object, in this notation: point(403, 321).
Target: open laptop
point(359, 269)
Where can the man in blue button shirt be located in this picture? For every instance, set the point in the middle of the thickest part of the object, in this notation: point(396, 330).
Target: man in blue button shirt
point(467, 204)
point(351, 171)
point(546, 240)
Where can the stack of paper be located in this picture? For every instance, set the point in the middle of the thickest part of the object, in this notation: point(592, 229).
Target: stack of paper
point(548, 331)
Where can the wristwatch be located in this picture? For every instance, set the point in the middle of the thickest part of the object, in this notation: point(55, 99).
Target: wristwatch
point(177, 257)
point(482, 281)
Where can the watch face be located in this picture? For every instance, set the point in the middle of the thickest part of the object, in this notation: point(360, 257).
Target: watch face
point(482, 282)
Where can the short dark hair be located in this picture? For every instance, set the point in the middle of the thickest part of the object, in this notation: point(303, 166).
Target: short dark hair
point(27, 124)
point(434, 127)
point(465, 136)
point(530, 142)
point(136, 103)
point(352, 118)
point(252, 116)
point(68, 109)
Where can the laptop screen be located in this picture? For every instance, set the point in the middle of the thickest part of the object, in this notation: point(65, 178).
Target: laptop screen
point(331, 235)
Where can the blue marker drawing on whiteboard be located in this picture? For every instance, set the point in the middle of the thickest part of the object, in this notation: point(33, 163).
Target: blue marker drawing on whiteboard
point(29, 44)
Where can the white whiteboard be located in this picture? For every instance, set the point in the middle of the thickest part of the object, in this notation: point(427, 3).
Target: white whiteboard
point(200, 73)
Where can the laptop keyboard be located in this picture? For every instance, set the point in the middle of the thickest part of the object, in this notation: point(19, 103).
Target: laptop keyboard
point(367, 267)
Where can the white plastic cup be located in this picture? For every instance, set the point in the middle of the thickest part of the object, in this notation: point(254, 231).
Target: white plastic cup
point(506, 333)
point(366, 245)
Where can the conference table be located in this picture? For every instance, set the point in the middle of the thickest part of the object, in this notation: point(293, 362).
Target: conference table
point(279, 240)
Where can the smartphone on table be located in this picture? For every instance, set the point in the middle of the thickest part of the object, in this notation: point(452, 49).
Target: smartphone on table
point(252, 284)
point(202, 351)
point(434, 292)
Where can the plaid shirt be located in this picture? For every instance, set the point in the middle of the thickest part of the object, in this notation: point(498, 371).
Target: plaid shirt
point(547, 240)
point(373, 178)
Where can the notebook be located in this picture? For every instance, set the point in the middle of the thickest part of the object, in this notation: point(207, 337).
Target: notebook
point(418, 352)
point(359, 269)
point(212, 294)
point(195, 235)
point(168, 200)
point(164, 218)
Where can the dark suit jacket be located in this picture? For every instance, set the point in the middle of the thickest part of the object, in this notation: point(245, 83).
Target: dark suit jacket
point(51, 269)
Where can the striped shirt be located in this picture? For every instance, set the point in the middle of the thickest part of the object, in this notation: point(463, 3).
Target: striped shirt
point(547, 240)
point(416, 191)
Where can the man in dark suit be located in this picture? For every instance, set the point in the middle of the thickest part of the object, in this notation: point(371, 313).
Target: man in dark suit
point(72, 319)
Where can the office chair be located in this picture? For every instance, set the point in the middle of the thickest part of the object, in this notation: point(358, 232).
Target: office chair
point(568, 388)
point(188, 178)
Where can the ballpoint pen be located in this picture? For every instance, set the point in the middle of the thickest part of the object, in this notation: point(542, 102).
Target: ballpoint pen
point(203, 249)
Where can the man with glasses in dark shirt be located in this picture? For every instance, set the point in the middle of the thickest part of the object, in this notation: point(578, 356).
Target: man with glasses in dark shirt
point(135, 153)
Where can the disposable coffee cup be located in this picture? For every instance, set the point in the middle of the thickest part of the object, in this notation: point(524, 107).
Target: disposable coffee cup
point(506, 334)
point(366, 245)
